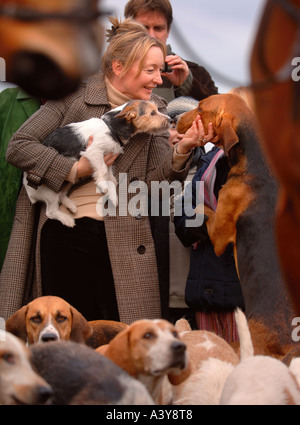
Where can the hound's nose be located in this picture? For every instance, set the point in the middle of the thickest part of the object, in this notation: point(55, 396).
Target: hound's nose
point(44, 393)
point(168, 118)
point(178, 347)
point(48, 337)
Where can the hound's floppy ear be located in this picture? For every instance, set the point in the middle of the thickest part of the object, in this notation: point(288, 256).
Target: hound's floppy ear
point(121, 344)
point(225, 131)
point(16, 324)
point(81, 330)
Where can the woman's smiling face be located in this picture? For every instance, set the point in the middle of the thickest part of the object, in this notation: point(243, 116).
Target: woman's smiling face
point(140, 85)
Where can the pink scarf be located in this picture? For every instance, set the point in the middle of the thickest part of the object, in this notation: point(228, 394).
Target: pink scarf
point(209, 178)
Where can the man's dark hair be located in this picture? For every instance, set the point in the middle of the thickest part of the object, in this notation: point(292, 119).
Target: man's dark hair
point(136, 7)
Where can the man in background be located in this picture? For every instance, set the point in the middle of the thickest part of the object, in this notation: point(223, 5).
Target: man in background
point(183, 78)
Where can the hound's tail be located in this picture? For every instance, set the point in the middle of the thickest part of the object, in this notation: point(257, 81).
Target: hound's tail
point(246, 346)
point(182, 325)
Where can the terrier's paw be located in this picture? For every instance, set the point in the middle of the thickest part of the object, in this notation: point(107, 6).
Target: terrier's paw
point(68, 221)
point(102, 187)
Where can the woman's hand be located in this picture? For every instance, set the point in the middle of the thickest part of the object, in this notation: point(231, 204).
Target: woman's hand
point(195, 136)
point(110, 158)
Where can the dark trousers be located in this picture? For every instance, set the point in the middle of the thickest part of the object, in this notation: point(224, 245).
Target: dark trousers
point(76, 267)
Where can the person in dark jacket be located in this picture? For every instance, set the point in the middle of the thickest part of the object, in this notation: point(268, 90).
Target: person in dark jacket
point(212, 289)
point(183, 78)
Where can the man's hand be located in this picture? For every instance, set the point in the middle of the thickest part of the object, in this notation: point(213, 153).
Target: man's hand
point(180, 70)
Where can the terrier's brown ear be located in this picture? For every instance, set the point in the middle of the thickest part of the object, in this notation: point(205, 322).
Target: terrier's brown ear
point(129, 113)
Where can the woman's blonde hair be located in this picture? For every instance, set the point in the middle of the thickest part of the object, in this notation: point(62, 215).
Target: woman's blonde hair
point(128, 42)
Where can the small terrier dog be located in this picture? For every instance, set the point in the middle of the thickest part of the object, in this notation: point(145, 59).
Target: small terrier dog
point(110, 134)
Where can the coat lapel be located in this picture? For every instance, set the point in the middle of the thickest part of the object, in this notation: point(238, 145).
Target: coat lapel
point(30, 104)
point(96, 93)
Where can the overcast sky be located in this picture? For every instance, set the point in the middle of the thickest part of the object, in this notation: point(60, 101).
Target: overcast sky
point(220, 34)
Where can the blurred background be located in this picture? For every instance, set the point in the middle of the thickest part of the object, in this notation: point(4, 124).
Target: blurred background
point(216, 34)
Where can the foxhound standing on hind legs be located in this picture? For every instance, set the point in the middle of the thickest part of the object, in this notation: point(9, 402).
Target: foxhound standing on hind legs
point(245, 217)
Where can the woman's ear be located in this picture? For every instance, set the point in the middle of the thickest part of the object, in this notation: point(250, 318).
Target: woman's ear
point(117, 68)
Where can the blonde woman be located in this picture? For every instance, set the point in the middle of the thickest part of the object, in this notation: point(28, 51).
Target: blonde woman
point(182, 77)
point(106, 265)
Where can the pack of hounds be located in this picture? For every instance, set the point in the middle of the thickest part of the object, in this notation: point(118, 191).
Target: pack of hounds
point(51, 355)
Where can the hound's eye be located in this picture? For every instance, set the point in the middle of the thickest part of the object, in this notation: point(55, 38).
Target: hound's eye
point(153, 112)
point(175, 333)
point(8, 358)
point(148, 335)
point(36, 319)
point(61, 319)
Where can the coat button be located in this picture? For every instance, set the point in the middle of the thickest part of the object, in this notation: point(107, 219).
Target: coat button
point(138, 216)
point(141, 249)
point(208, 291)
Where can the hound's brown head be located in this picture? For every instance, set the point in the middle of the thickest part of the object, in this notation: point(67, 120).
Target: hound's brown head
point(49, 318)
point(225, 111)
point(149, 347)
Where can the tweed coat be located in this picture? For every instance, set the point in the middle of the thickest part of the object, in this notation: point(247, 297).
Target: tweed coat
point(131, 247)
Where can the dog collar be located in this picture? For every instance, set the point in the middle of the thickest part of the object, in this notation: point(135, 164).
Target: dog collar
point(113, 133)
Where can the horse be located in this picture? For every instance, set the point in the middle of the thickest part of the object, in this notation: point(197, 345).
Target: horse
point(47, 47)
point(275, 81)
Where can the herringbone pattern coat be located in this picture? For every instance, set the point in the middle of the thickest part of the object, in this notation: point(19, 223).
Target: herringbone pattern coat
point(146, 158)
